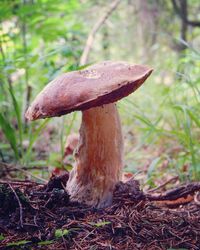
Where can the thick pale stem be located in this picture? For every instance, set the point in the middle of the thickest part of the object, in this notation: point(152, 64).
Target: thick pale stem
point(99, 157)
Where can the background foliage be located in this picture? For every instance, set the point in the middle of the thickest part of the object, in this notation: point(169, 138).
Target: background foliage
point(40, 39)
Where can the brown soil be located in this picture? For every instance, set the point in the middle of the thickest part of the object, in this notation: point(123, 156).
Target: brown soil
point(43, 216)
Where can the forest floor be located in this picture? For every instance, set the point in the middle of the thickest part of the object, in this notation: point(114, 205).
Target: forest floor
point(41, 216)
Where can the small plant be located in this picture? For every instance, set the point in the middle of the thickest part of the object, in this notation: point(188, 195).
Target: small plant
point(100, 223)
point(61, 232)
point(2, 237)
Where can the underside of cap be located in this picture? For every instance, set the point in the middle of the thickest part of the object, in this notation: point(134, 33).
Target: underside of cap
point(99, 84)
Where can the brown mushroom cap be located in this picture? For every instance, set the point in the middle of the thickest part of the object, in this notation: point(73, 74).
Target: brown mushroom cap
point(96, 85)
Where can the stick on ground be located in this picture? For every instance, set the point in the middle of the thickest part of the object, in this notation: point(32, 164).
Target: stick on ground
point(20, 205)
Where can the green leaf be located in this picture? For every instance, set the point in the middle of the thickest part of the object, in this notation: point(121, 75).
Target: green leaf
point(194, 118)
point(60, 233)
point(9, 132)
point(18, 114)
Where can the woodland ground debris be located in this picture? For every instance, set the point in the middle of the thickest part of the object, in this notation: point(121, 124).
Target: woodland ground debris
point(41, 216)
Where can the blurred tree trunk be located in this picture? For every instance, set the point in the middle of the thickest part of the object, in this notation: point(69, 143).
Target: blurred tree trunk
point(178, 6)
point(184, 26)
point(148, 24)
point(181, 9)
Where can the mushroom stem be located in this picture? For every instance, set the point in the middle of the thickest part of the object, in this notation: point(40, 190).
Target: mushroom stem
point(99, 157)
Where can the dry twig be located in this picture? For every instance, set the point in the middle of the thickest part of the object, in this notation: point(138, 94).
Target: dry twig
point(94, 30)
point(19, 203)
point(175, 178)
point(19, 182)
point(196, 198)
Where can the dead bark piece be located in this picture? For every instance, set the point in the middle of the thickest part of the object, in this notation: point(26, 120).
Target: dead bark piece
point(177, 202)
point(176, 196)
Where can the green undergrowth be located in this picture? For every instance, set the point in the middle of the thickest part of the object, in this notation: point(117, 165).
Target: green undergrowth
point(160, 121)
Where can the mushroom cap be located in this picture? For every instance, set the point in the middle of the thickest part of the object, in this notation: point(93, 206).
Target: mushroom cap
point(99, 84)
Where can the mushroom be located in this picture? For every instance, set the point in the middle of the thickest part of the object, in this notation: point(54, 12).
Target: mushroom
point(99, 155)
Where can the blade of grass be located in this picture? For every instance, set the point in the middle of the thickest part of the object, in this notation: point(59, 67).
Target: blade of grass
point(33, 137)
point(18, 116)
point(68, 130)
point(9, 132)
point(188, 133)
point(194, 118)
